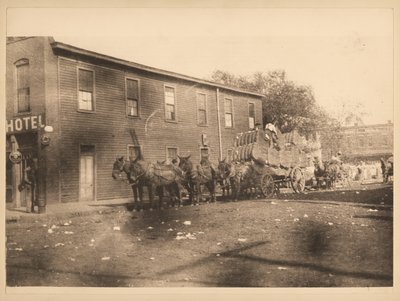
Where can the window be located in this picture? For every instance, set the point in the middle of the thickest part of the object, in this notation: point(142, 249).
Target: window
point(86, 90)
point(23, 91)
point(133, 152)
point(204, 153)
point(228, 113)
point(172, 153)
point(201, 109)
point(132, 97)
point(252, 116)
point(170, 106)
point(229, 156)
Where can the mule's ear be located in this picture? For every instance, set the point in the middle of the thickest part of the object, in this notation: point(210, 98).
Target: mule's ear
point(223, 161)
point(120, 158)
point(188, 157)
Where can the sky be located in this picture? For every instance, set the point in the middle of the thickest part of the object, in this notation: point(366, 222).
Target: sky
point(344, 54)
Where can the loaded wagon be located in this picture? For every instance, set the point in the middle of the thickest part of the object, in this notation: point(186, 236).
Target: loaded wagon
point(272, 169)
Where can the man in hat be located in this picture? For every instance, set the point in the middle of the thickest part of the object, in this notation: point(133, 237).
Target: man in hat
point(271, 133)
point(336, 159)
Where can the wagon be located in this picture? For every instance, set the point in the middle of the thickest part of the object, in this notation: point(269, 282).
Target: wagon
point(272, 169)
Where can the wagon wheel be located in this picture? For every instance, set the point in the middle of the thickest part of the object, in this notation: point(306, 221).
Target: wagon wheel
point(267, 185)
point(297, 180)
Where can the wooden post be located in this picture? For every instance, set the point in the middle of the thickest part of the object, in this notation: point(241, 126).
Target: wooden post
point(41, 180)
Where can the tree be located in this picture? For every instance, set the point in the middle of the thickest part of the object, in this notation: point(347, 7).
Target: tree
point(293, 105)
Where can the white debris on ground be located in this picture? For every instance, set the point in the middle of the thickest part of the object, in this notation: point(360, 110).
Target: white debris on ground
point(282, 268)
point(150, 228)
point(58, 244)
point(296, 219)
point(242, 239)
point(305, 215)
point(357, 192)
point(187, 223)
point(92, 240)
point(170, 229)
point(273, 203)
point(18, 249)
point(116, 228)
point(45, 246)
point(372, 210)
point(152, 258)
point(68, 232)
point(181, 235)
point(277, 220)
point(50, 231)
point(219, 243)
point(105, 258)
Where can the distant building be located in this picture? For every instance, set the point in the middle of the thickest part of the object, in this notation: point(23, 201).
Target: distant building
point(359, 142)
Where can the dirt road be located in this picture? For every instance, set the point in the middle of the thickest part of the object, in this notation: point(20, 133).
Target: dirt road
point(318, 239)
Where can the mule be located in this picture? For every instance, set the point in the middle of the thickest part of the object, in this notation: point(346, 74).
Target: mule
point(157, 177)
point(195, 177)
point(237, 176)
point(328, 172)
point(121, 165)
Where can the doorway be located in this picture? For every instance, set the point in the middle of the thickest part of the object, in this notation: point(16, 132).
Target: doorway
point(86, 173)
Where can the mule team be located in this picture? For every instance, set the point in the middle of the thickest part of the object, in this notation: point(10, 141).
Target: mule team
point(174, 177)
point(233, 178)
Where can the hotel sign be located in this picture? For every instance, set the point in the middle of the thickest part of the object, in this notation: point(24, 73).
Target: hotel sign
point(25, 124)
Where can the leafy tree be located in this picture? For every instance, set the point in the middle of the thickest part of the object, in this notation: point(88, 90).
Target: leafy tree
point(293, 105)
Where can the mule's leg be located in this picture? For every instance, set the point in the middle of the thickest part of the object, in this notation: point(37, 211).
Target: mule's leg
point(160, 204)
point(135, 197)
point(151, 196)
point(140, 197)
point(237, 191)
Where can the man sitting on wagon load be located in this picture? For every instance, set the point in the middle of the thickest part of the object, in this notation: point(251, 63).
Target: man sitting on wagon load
point(336, 159)
point(271, 133)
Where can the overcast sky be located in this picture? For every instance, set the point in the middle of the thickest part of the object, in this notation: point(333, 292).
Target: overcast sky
point(345, 55)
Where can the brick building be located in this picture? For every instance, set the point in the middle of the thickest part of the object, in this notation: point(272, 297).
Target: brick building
point(74, 111)
point(359, 142)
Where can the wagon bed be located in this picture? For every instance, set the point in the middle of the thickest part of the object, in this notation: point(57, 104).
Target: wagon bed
point(273, 169)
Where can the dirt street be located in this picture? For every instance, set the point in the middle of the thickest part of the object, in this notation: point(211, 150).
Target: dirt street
point(317, 239)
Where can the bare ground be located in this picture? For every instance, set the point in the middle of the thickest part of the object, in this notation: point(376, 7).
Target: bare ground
point(318, 239)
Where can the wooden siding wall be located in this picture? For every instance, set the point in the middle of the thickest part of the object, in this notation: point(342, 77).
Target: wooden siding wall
point(108, 127)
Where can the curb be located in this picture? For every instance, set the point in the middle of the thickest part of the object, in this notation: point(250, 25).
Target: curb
point(32, 217)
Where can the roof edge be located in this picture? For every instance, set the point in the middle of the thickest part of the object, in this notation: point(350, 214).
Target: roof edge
point(80, 51)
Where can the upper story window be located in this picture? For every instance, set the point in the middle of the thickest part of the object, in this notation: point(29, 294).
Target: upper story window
point(228, 112)
point(23, 90)
point(132, 97)
point(202, 108)
point(170, 103)
point(252, 116)
point(86, 89)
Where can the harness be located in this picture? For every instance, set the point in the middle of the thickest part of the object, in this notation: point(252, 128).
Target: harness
point(153, 171)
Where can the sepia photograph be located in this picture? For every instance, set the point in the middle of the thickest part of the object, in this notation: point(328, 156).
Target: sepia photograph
point(189, 146)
